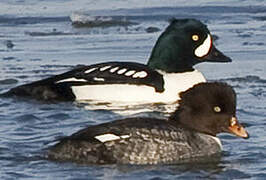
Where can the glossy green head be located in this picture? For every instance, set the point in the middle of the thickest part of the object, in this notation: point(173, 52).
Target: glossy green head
point(184, 43)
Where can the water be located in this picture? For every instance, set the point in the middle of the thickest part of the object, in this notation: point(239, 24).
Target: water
point(45, 43)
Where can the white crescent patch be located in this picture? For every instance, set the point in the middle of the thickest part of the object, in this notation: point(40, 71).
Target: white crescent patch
point(204, 48)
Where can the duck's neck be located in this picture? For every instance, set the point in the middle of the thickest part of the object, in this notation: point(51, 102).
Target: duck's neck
point(175, 119)
point(168, 56)
point(180, 118)
point(169, 66)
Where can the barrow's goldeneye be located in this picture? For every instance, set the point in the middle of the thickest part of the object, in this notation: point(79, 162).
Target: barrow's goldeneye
point(184, 43)
point(205, 110)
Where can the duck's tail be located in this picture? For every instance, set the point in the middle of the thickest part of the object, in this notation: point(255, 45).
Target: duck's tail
point(40, 92)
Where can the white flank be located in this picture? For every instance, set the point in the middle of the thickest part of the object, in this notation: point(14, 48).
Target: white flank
point(130, 73)
point(90, 70)
point(98, 79)
point(114, 69)
point(71, 80)
point(141, 74)
point(110, 137)
point(204, 48)
point(121, 71)
point(105, 68)
point(140, 94)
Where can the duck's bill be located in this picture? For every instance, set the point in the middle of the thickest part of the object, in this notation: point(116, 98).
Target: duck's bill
point(237, 129)
point(216, 56)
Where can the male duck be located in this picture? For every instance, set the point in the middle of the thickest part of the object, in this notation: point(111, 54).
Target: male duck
point(184, 43)
point(190, 133)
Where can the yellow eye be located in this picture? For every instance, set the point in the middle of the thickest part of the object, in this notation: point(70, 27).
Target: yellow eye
point(217, 109)
point(195, 37)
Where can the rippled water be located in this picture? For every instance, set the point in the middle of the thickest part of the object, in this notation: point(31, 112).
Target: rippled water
point(45, 43)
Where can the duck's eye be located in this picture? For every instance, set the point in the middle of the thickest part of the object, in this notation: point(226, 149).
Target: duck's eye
point(195, 37)
point(217, 109)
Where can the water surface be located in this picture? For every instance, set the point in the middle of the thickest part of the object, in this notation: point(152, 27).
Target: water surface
point(45, 43)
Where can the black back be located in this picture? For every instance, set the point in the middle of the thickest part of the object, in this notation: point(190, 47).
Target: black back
point(58, 87)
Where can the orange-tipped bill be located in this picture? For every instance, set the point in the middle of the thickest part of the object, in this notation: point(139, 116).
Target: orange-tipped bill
point(237, 129)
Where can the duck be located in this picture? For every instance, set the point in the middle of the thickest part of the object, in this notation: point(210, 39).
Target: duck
point(205, 110)
point(183, 44)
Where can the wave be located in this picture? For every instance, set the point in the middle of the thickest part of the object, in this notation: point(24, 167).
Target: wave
point(31, 20)
point(54, 32)
point(246, 79)
point(8, 81)
point(79, 19)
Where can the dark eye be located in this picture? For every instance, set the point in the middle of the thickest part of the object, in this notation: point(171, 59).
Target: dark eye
point(217, 109)
point(195, 37)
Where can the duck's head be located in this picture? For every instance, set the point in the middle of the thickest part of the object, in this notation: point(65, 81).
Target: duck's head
point(209, 108)
point(184, 43)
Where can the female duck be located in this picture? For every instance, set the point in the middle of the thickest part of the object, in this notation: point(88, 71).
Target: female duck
point(205, 110)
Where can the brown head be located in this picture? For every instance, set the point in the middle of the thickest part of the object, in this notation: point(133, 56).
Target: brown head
point(209, 108)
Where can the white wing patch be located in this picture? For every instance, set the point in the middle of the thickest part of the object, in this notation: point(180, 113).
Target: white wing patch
point(126, 72)
point(110, 137)
point(98, 79)
point(71, 80)
point(105, 68)
point(130, 73)
point(114, 69)
point(90, 70)
point(204, 48)
point(141, 74)
point(121, 71)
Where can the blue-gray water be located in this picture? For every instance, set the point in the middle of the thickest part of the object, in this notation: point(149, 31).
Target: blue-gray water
point(45, 43)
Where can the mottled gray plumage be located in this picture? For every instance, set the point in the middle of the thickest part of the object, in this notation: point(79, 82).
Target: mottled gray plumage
point(151, 141)
point(190, 133)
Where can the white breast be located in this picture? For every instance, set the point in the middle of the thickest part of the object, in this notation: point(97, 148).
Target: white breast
point(140, 94)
